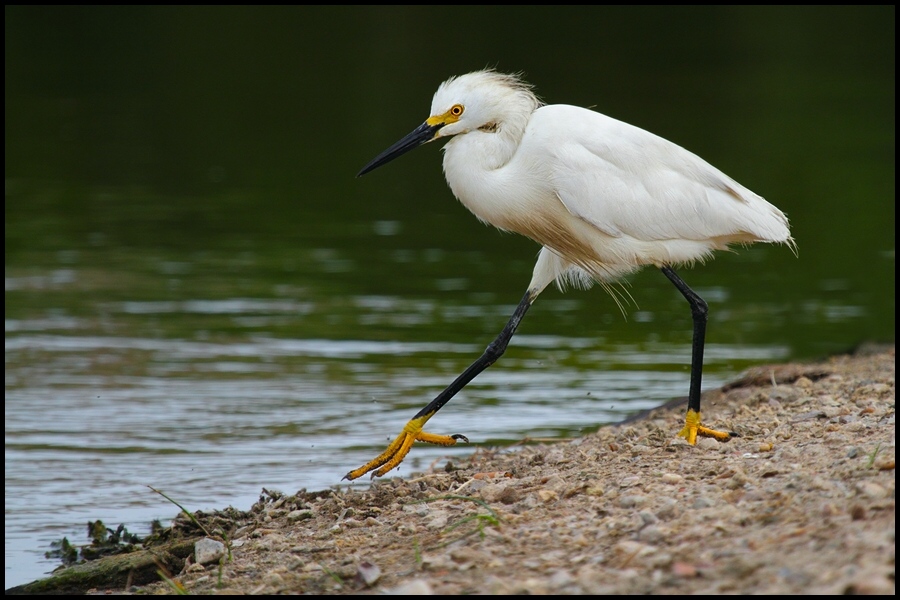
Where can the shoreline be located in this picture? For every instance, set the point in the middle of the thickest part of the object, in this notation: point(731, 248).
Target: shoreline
point(802, 503)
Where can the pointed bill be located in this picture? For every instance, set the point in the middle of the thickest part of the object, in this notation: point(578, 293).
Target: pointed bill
point(422, 134)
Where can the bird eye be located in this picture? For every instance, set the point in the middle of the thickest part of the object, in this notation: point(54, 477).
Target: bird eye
point(457, 110)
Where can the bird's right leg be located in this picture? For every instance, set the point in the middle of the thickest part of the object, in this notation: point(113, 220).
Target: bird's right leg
point(699, 313)
point(412, 431)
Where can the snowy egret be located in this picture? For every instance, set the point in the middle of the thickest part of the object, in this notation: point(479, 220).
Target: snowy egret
point(603, 198)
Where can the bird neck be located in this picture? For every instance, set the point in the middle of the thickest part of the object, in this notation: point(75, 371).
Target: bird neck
point(485, 149)
point(474, 167)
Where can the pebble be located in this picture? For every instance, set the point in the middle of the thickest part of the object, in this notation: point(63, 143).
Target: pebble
point(648, 518)
point(708, 443)
point(651, 534)
point(702, 502)
point(352, 523)
point(559, 579)
point(786, 394)
point(871, 490)
point(416, 587)
point(368, 572)
point(507, 494)
point(438, 520)
point(631, 501)
point(884, 463)
point(208, 550)
point(668, 508)
point(682, 569)
point(547, 495)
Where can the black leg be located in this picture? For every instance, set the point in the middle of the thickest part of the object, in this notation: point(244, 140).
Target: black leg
point(494, 351)
point(412, 432)
point(699, 312)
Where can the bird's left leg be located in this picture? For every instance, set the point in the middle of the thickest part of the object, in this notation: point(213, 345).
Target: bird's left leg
point(412, 431)
point(699, 312)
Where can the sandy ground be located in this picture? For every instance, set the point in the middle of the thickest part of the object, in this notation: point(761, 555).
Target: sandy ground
point(802, 503)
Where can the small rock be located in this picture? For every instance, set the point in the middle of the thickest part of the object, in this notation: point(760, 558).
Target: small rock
point(559, 579)
point(872, 490)
point(416, 587)
point(629, 550)
point(273, 579)
point(681, 569)
point(668, 508)
point(420, 510)
point(835, 438)
point(871, 582)
point(466, 555)
point(438, 520)
point(648, 518)
point(702, 502)
point(708, 443)
point(803, 383)
point(785, 394)
point(808, 416)
point(631, 501)
point(507, 494)
point(672, 478)
point(352, 523)
point(490, 492)
point(651, 534)
point(207, 551)
point(738, 480)
point(547, 495)
point(640, 449)
point(510, 495)
point(885, 463)
point(556, 456)
point(368, 573)
point(829, 509)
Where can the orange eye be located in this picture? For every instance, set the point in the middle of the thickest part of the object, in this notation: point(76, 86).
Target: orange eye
point(457, 110)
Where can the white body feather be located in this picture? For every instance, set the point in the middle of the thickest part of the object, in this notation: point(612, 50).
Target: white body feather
point(603, 197)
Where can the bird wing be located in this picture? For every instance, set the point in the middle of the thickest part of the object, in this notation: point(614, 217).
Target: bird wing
point(628, 182)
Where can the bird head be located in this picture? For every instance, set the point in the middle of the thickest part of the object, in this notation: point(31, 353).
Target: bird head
point(485, 101)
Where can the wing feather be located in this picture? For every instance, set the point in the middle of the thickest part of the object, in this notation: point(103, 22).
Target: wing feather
point(626, 181)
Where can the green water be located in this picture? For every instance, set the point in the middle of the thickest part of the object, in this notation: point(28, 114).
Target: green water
point(200, 295)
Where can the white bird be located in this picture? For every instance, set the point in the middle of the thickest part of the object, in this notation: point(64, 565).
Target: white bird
point(603, 198)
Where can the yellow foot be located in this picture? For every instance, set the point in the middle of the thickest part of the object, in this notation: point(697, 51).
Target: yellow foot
point(692, 428)
point(400, 447)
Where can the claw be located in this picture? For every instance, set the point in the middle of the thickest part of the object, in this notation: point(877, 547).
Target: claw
point(692, 428)
point(400, 447)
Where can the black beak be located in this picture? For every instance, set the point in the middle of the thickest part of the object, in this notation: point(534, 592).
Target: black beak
point(422, 134)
